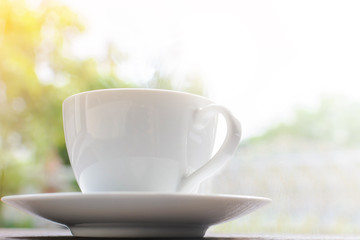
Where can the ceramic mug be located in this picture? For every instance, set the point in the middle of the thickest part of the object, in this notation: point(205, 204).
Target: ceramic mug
point(144, 139)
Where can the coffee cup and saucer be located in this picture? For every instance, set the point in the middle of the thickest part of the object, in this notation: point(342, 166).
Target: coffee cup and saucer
point(139, 156)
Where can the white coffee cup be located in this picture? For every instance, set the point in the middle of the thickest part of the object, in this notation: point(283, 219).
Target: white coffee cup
point(144, 139)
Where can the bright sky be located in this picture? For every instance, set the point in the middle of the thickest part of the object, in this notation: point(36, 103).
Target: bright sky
point(261, 59)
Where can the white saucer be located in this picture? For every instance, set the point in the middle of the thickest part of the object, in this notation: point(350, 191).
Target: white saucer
point(136, 214)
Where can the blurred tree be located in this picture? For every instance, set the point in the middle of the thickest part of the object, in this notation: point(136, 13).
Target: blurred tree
point(335, 123)
point(37, 72)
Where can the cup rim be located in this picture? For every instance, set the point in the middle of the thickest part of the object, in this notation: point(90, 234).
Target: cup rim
point(138, 90)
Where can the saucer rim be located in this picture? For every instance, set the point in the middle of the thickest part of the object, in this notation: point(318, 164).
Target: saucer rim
point(194, 207)
point(130, 194)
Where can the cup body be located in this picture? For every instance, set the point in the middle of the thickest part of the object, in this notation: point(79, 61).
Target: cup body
point(135, 139)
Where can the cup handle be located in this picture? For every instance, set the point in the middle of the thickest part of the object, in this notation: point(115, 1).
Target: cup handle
point(225, 152)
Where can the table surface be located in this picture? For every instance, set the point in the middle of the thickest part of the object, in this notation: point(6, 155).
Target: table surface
point(63, 234)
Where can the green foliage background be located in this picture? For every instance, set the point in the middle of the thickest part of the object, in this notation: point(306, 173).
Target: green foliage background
point(37, 72)
point(34, 42)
